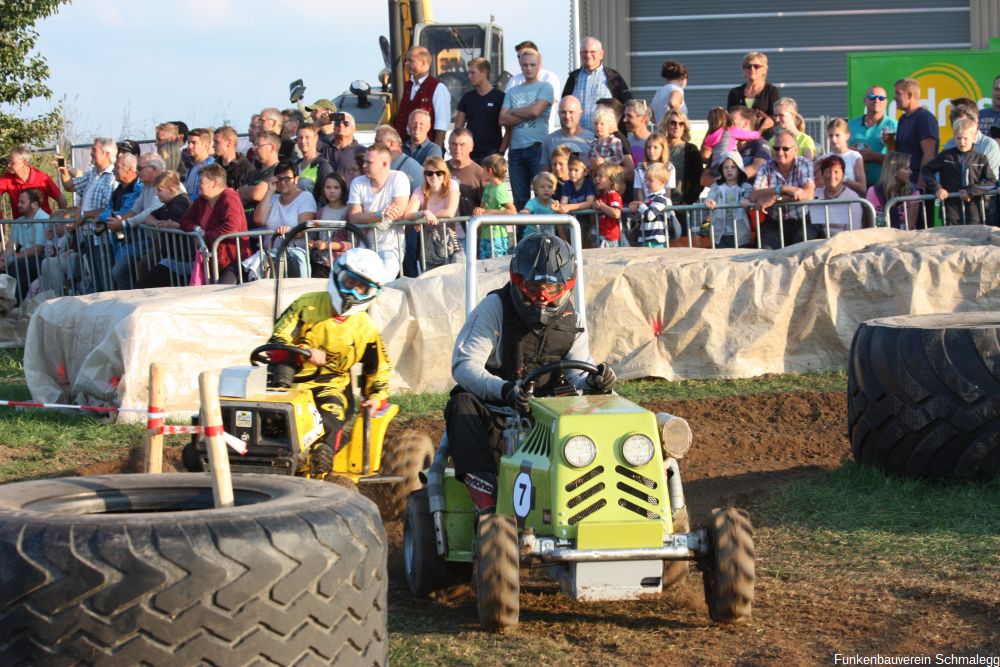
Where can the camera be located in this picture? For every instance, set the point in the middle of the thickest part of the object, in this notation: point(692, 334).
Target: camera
point(60, 161)
point(338, 117)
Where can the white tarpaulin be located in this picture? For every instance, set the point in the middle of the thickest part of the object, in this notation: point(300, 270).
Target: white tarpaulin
point(673, 314)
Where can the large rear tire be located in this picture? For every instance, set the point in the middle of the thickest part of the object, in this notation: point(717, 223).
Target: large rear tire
point(406, 456)
point(924, 395)
point(728, 568)
point(498, 576)
point(427, 573)
point(130, 569)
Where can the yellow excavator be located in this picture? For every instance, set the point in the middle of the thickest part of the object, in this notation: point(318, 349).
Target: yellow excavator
point(452, 46)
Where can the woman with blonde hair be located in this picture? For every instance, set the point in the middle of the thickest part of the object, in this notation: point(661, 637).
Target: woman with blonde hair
point(756, 93)
point(894, 182)
point(787, 117)
point(684, 156)
point(437, 198)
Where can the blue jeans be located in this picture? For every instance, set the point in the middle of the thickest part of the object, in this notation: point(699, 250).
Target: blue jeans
point(523, 165)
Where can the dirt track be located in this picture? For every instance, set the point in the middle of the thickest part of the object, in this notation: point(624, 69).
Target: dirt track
point(804, 612)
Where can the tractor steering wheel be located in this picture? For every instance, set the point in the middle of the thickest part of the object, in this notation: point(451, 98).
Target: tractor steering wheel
point(563, 365)
point(258, 358)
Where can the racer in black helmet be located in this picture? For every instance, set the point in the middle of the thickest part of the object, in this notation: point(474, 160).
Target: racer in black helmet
point(542, 277)
point(525, 324)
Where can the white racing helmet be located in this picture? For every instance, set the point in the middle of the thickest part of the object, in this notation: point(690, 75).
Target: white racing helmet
point(355, 280)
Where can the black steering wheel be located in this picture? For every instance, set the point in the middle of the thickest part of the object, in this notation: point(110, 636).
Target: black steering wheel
point(258, 358)
point(563, 365)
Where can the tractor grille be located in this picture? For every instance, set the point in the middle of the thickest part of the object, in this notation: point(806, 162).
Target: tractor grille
point(538, 441)
point(580, 481)
point(635, 477)
point(644, 513)
point(576, 500)
point(587, 511)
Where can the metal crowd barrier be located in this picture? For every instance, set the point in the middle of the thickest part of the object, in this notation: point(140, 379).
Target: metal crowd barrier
point(986, 203)
point(84, 257)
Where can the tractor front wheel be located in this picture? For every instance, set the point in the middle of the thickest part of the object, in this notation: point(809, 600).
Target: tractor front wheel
point(427, 573)
point(729, 565)
point(405, 456)
point(498, 576)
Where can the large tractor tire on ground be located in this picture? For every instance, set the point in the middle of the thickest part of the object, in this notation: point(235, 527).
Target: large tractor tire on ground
point(140, 569)
point(924, 395)
point(405, 456)
point(728, 568)
point(427, 573)
point(498, 573)
point(675, 571)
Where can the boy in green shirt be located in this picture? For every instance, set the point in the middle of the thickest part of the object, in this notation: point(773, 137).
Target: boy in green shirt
point(496, 199)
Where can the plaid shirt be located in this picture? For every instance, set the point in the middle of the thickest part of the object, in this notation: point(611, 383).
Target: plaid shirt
point(590, 87)
point(770, 176)
point(99, 197)
point(609, 148)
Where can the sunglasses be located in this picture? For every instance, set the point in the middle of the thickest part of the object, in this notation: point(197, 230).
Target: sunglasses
point(880, 98)
point(752, 66)
point(285, 179)
point(675, 123)
point(784, 149)
point(430, 172)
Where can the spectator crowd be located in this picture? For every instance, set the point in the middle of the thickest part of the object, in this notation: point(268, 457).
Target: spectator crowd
point(588, 147)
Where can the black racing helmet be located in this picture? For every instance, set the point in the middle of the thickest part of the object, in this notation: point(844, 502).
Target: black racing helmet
point(542, 277)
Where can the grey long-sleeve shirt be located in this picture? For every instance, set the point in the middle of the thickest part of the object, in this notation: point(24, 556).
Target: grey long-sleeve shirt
point(479, 342)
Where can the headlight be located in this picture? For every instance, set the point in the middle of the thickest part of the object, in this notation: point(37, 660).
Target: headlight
point(579, 451)
point(637, 450)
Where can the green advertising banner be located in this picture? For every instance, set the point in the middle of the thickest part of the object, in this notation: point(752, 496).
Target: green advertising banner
point(943, 75)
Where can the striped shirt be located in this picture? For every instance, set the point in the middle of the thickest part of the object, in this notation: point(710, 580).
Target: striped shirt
point(94, 189)
point(653, 221)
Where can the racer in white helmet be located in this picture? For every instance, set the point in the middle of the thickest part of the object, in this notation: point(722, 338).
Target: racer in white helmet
point(336, 329)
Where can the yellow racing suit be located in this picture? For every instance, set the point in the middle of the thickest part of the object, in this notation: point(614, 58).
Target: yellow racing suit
point(311, 322)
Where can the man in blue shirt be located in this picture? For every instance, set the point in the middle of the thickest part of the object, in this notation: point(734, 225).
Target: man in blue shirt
point(526, 111)
point(917, 130)
point(866, 132)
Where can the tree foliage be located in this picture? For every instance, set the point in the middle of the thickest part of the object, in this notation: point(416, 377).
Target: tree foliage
point(23, 73)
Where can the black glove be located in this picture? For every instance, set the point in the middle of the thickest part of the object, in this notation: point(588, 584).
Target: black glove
point(514, 396)
point(603, 380)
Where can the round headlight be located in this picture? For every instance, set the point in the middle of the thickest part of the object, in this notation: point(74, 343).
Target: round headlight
point(637, 450)
point(579, 451)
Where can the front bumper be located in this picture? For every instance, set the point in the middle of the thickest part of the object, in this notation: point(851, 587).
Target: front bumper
point(679, 546)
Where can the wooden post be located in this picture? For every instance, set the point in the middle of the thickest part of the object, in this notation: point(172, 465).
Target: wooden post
point(154, 421)
point(218, 456)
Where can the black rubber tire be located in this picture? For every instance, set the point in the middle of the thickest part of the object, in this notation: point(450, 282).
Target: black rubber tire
point(675, 571)
point(406, 455)
point(427, 573)
point(498, 575)
point(728, 568)
point(191, 458)
point(924, 395)
point(130, 569)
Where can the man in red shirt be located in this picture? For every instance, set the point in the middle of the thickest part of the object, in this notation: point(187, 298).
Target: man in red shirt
point(22, 176)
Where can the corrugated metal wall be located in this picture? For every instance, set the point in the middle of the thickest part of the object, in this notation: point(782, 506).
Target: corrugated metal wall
point(985, 22)
point(805, 42)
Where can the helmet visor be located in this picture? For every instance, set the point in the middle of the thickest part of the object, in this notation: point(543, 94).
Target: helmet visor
point(356, 285)
point(542, 292)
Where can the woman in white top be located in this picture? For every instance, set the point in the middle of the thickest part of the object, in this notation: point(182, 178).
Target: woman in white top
point(284, 205)
point(671, 95)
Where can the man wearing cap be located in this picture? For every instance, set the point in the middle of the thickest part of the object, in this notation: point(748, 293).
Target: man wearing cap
point(341, 152)
point(21, 176)
point(423, 91)
point(322, 111)
point(200, 148)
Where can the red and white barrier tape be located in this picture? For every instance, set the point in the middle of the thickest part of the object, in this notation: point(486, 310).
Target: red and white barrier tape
point(155, 421)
